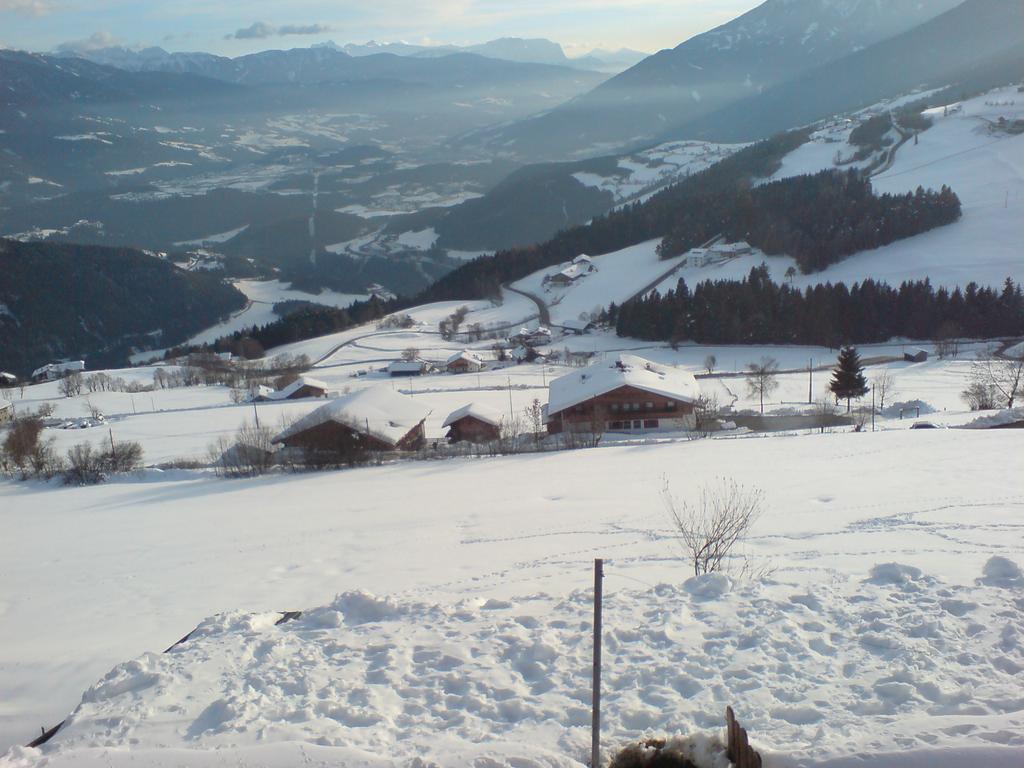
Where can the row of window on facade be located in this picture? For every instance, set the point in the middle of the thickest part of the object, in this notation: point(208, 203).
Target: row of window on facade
point(670, 405)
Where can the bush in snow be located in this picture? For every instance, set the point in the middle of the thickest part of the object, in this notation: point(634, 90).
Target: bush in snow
point(89, 466)
point(709, 529)
point(25, 454)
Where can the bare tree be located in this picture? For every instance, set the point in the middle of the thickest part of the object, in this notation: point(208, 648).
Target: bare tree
point(1004, 376)
point(710, 363)
point(710, 528)
point(534, 416)
point(706, 412)
point(71, 385)
point(762, 378)
point(885, 386)
point(410, 353)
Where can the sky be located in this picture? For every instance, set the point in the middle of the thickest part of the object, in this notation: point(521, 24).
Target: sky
point(234, 28)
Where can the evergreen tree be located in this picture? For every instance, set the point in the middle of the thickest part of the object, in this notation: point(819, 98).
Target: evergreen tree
point(848, 379)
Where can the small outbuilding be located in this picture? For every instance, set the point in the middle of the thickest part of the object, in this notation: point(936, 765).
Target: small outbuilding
point(408, 368)
point(6, 412)
point(375, 419)
point(7, 379)
point(302, 388)
point(473, 423)
point(915, 356)
point(464, 362)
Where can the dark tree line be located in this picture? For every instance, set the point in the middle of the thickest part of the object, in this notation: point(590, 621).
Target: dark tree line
point(759, 311)
point(618, 229)
point(818, 220)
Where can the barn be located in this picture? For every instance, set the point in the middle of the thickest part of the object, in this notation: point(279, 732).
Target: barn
point(375, 419)
point(408, 368)
point(302, 388)
point(915, 356)
point(473, 423)
point(54, 371)
point(464, 362)
point(630, 394)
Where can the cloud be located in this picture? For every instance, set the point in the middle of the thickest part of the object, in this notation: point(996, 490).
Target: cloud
point(27, 7)
point(94, 42)
point(260, 30)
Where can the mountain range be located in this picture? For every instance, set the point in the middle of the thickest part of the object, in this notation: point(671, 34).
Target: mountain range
point(772, 44)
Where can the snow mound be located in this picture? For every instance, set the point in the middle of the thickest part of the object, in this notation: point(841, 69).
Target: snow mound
point(1002, 572)
point(997, 419)
point(708, 586)
point(906, 577)
point(893, 411)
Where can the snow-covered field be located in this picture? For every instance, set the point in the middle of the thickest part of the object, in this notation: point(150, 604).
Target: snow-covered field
point(462, 619)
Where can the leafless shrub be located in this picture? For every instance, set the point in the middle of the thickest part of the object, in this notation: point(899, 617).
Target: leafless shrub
point(709, 529)
point(71, 385)
point(824, 413)
point(980, 396)
point(248, 454)
point(1002, 376)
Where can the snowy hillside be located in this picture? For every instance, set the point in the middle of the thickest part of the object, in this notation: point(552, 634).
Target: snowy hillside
point(965, 149)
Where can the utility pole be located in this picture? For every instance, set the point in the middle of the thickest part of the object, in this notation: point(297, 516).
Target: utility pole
point(595, 726)
point(511, 411)
point(810, 382)
point(255, 410)
point(872, 409)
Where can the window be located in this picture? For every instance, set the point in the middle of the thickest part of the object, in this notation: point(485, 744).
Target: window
point(670, 405)
point(650, 423)
point(637, 425)
point(649, 406)
point(615, 407)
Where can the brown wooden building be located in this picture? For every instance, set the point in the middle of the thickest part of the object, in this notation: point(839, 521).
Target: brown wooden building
point(629, 395)
point(375, 419)
point(473, 423)
point(464, 362)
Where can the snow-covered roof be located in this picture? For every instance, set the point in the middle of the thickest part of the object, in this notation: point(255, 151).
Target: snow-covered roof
point(5, 376)
point(466, 355)
point(377, 411)
point(71, 366)
point(295, 386)
point(401, 366)
point(478, 411)
point(4, 405)
point(583, 259)
point(575, 324)
point(625, 371)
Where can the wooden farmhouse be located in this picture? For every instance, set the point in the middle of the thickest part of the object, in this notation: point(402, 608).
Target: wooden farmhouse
point(464, 362)
point(473, 423)
point(375, 419)
point(630, 395)
point(54, 371)
point(300, 389)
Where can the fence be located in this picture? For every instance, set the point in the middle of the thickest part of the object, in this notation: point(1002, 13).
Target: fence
point(740, 752)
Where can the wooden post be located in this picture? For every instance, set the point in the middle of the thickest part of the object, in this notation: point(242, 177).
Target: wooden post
point(595, 736)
